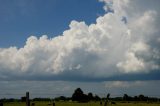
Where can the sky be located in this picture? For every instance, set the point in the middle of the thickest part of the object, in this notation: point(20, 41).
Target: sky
point(20, 19)
point(101, 46)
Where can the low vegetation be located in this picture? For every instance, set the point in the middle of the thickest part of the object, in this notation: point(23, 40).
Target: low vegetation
point(84, 104)
point(79, 98)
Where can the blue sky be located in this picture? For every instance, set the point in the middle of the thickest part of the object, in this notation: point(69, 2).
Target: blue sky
point(99, 45)
point(20, 19)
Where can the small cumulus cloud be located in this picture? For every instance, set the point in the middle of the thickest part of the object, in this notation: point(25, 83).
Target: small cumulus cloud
point(110, 47)
point(123, 84)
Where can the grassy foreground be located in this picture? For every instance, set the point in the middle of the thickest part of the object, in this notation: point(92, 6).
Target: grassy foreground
point(82, 104)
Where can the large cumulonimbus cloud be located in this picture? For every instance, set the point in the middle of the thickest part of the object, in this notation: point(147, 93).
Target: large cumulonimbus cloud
point(123, 42)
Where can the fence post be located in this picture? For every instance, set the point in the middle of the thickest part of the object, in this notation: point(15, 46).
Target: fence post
point(27, 99)
point(1, 104)
point(53, 103)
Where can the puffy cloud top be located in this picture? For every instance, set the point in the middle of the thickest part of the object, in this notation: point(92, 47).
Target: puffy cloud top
point(111, 47)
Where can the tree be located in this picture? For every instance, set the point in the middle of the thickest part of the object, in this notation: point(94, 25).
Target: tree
point(63, 98)
point(125, 97)
point(108, 95)
point(135, 98)
point(23, 99)
point(78, 95)
point(97, 98)
point(141, 97)
point(107, 100)
point(90, 96)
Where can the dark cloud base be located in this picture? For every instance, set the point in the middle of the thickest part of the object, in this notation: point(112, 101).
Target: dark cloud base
point(71, 77)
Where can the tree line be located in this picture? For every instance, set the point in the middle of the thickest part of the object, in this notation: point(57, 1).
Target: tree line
point(79, 96)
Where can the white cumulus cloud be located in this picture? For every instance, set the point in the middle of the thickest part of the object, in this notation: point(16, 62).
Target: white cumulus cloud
point(108, 48)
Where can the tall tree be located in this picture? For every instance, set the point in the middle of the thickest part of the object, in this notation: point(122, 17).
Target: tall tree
point(78, 95)
point(125, 97)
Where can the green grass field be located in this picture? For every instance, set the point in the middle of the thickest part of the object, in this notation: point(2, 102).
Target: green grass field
point(82, 104)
